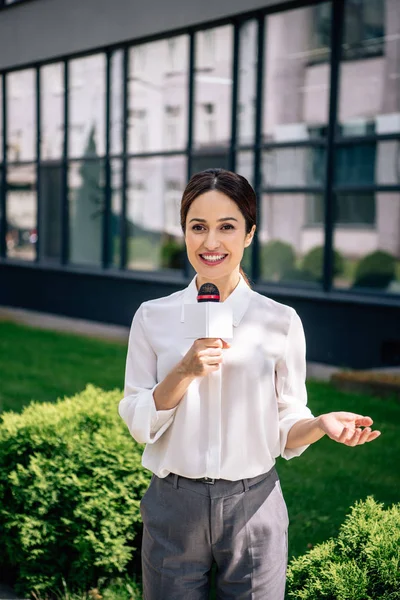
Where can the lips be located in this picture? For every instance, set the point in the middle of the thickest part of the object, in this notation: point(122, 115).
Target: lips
point(212, 259)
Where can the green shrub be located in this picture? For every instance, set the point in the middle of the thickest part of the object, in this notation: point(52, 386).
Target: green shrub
point(173, 254)
point(313, 263)
point(375, 270)
point(362, 563)
point(277, 258)
point(70, 487)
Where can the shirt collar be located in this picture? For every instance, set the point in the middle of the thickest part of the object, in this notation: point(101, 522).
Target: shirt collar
point(238, 300)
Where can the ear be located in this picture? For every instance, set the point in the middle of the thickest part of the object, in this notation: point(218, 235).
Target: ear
point(249, 237)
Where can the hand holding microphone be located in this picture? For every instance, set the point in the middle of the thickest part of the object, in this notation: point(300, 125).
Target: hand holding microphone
point(205, 356)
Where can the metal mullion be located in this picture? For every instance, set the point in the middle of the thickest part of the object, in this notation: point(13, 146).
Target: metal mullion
point(258, 132)
point(38, 155)
point(191, 93)
point(235, 95)
point(343, 189)
point(123, 224)
point(3, 187)
point(366, 139)
point(158, 154)
point(187, 268)
point(316, 143)
point(293, 190)
point(329, 198)
point(106, 254)
point(64, 195)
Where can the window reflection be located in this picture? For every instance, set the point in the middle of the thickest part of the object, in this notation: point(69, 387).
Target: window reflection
point(155, 239)
point(157, 114)
point(213, 87)
point(369, 90)
point(21, 116)
point(116, 109)
point(52, 111)
point(116, 211)
point(86, 200)
point(1, 120)
point(368, 242)
point(51, 190)
point(247, 82)
point(289, 250)
point(21, 236)
point(296, 95)
point(87, 106)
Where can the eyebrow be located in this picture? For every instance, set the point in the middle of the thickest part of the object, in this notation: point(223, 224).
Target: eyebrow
point(223, 219)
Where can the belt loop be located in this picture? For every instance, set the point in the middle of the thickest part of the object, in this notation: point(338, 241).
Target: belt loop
point(176, 481)
point(245, 485)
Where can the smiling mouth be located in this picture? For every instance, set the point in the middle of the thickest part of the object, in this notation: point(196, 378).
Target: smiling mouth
point(212, 259)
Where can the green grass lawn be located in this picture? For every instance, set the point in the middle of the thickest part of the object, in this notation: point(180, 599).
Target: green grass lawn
point(319, 487)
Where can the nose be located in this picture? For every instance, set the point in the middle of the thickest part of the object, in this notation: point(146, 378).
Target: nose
point(211, 242)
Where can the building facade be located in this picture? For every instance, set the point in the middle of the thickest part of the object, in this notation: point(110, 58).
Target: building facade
point(107, 109)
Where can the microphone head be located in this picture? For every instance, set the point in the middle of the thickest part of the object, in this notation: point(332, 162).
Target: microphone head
point(208, 292)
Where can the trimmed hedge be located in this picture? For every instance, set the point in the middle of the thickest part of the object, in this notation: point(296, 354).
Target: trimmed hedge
point(362, 563)
point(71, 481)
point(313, 263)
point(375, 270)
point(277, 259)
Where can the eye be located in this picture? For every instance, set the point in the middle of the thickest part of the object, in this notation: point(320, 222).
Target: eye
point(228, 226)
point(197, 227)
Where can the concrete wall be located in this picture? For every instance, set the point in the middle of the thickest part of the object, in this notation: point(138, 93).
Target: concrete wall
point(44, 29)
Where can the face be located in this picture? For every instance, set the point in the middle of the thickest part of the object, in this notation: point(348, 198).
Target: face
point(216, 237)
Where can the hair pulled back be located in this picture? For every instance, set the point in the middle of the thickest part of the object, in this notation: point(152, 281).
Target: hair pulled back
point(235, 186)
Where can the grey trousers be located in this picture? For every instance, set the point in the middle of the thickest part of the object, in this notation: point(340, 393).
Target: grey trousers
point(241, 525)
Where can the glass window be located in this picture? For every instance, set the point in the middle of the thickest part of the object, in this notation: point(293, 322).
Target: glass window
point(289, 251)
point(213, 87)
point(158, 81)
point(369, 86)
point(21, 236)
point(52, 111)
point(116, 113)
point(293, 167)
point(155, 187)
point(247, 83)
point(116, 211)
point(369, 257)
point(245, 165)
point(296, 94)
point(355, 164)
point(21, 116)
point(87, 99)
point(86, 202)
point(51, 190)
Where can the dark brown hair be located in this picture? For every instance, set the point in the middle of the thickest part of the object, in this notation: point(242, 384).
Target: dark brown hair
point(236, 187)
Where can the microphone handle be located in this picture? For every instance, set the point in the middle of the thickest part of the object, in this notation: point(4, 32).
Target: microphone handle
point(214, 423)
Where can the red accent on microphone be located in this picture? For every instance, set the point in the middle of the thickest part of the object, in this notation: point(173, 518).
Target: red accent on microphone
point(207, 297)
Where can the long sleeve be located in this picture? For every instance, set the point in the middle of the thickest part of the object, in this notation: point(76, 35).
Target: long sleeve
point(138, 408)
point(290, 376)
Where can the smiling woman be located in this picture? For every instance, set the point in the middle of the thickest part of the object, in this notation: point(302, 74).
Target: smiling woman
point(215, 494)
point(218, 218)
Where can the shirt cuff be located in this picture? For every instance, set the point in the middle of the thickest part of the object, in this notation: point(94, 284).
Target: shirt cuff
point(285, 426)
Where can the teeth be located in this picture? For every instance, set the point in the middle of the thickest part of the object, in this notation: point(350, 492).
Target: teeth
point(213, 258)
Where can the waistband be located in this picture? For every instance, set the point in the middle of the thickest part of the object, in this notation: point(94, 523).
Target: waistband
point(226, 486)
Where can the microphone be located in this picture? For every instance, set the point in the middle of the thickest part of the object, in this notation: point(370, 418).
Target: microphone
point(209, 318)
point(208, 292)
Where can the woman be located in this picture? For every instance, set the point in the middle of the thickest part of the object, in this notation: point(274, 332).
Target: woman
point(215, 494)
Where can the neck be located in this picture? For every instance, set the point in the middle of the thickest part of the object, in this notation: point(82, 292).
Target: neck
point(225, 285)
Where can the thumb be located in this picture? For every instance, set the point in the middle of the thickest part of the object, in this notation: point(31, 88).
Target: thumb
point(225, 345)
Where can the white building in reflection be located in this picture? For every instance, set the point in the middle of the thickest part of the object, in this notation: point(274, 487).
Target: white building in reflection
point(295, 110)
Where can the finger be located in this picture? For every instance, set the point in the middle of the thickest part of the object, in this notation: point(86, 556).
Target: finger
point(211, 352)
point(364, 422)
point(353, 440)
point(364, 436)
point(225, 345)
point(344, 435)
point(373, 435)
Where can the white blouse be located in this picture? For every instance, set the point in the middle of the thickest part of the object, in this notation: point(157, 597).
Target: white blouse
point(233, 435)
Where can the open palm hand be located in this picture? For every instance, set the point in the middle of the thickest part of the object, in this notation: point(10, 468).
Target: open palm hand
point(348, 428)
